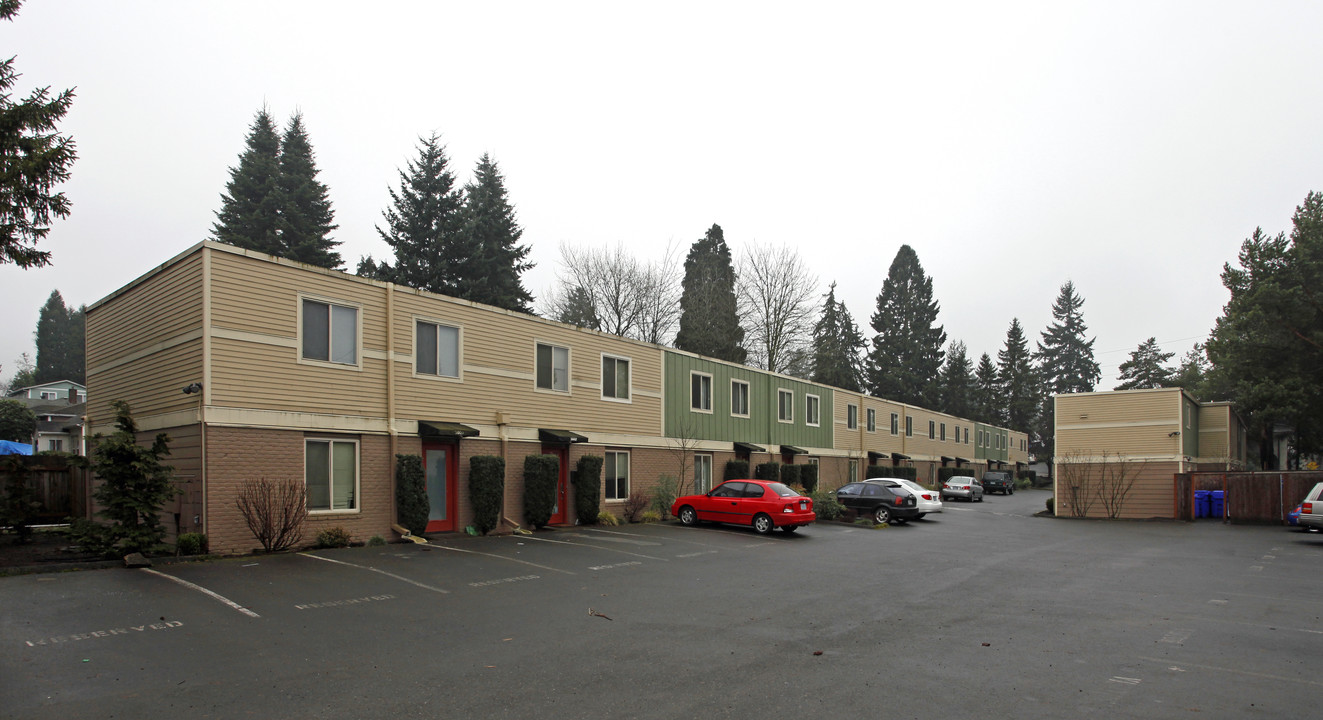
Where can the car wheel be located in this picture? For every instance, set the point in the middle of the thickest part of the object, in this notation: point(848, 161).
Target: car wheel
point(980, 498)
point(762, 524)
point(881, 515)
point(688, 516)
point(790, 528)
point(919, 516)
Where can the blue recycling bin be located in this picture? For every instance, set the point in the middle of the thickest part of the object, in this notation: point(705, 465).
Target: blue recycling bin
point(1216, 508)
point(1203, 503)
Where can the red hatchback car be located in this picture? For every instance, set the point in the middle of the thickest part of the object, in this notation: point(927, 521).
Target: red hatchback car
point(761, 503)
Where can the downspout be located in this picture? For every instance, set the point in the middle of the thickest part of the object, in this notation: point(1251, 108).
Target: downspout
point(204, 397)
point(390, 395)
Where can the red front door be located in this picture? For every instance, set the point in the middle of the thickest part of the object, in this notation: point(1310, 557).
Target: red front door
point(562, 453)
point(441, 466)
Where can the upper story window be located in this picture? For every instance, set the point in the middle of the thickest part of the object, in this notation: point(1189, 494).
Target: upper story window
point(48, 395)
point(785, 405)
point(436, 349)
point(700, 392)
point(812, 409)
point(872, 420)
point(330, 332)
point(966, 436)
point(615, 377)
point(739, 398)
point(943, 430)
point(932, 430)
point(852, 417)
point(895, 424)
point(553, 368)
point(909, 426)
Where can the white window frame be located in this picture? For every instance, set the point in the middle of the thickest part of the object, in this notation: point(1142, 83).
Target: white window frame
point(852, 417)
point(569, 364)
point(629, 390)
point(49, 395)
point(895, 424)
point(701, 459)
point(932, 429)
point(459, 351)
point(781, 407)
point(871, 414)
point(303, 299)
point(812, 410)
point(613, 487)
point(705, 391)
point(745, 385)
point(909, 426)
point(943, 432)
point(358, 475)
point(852, 472)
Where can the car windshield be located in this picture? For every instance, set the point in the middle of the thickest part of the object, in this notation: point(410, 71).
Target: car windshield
point(781, 490)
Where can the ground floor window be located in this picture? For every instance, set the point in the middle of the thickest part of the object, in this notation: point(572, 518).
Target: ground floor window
point(615, 468)
point(702, 473)
point(854, 471)
point(331, 474)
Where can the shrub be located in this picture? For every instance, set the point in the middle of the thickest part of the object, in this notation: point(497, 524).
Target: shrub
point(606, 518)
point(1030, 475)
point(191, 544)
point(790, 474)
point(540, 475)
point(411, 503)
point(376, 541)
point(1023, 484)
point(587, 482)
point(667, 492)
point(945, 473)
point(635, 504)
point(900, 471)
point(768, 471)
point(825, 506)
point(1052, 505)
point(735, 469)
point(651, 516)
point(486, 490)
point(274, 511)
point(135, 484)
point(20, 504)
point(334, 537)
point(808, 477)
point(92, 537)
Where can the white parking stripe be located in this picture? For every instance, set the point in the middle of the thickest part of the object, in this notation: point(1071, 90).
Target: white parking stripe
point(204, 591)
point(599, 547)
point(500, 557)
point(1233, 671)
point(401, 578)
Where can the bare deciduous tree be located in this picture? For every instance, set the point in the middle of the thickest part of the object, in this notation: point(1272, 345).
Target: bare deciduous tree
point(778, 307)
point(1116, 477)
point(629, 298)
point(274, 510)
point(1076, 480)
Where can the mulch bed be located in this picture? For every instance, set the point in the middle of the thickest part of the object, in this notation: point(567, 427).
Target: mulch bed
point(46, 547)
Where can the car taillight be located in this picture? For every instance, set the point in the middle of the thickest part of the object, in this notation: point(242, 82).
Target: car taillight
point(1307, 508)
point(926, 496)
point(900, 500)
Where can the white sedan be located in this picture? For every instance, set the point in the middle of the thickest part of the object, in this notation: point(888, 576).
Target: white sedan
point(930, 501)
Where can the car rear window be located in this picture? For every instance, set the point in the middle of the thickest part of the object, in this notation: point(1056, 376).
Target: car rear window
point(779, 490)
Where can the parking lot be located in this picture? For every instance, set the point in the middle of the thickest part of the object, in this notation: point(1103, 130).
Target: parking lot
point(982, 610)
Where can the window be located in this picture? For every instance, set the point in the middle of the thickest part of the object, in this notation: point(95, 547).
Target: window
point(702, 473)
point(852, 417)
point(330, 332)
point(895, 424)
point(932, 430)
point(966, 436)
point(331, 475)
point(615, 377)
point(739, 398)
point(700, 392)
point(553, 368)
point(909, 426)
point(615, 468)
point(56, 444)
point(436, 349)
point(47, 395)
point(785, 405)
point(943, 432)
point(811, 410)
point(854, 471)
point(872, 420)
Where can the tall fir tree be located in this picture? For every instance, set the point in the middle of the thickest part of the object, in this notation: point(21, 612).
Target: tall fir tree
point(1019, 382)
point(306, 217)
point(1065, 364)
point(1147, 368)
point(906, 356)
point(1191, 372)
point(837, 346)
point(498, 260)
point(957, 382)
point(579, 309)
point(59, 342)
point(709, 315)
point(988, 405)
point(425, 225)
point(251, 205)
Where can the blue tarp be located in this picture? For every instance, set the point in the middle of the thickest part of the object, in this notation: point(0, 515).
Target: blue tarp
point(8, 447)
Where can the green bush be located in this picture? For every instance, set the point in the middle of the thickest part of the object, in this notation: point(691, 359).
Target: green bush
point(825, 506)
point(1023, 484)
point(606, 518)
point(486, 490)
point(587, 483)
point(540, 475)
point(191, 544)
point(790, 474)
point(903, 472)
point(768, 471)
point(334, 537)
point(667, 492)
point(376, 541)
point(1052, 504)
point(1030, 475)
point(808, 477)
point(135, 484)
point(20, 505)
point(944, 473)
point(735, 470)
point(411, 503)
point(651, 516)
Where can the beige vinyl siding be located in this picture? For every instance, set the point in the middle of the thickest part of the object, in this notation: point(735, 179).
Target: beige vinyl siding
point(883, 441)
point(1214, 432)
point(845, 438)
point(1017, 452)
point(1150, 496)
point(919, 445)
point(1128, 423)
point(144, 343)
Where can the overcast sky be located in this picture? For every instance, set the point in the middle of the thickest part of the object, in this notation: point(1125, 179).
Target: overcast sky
point(1130, 147)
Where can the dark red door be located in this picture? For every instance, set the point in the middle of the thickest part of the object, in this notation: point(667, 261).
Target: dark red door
point(562, 453)
point(441, 466)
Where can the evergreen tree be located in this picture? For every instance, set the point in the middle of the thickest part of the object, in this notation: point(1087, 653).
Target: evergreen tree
point(135, 484)
point(1191, 371)
point(17, 421)
point(837, 346)
point(1146, 368)
point(907, 354)
point(1019, 383)
point(1065, 364)
point(709, 319)
point(579, 309)
point(33, 160)
point(306, 216)
point(987, 393)
point(425, 225)
point(493, 235)
point(59, 342)
point(957, 382)
point(249, 216)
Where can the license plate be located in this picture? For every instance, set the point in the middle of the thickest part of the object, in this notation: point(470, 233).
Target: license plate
point(803, 505)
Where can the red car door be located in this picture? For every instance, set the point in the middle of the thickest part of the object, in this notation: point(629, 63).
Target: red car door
point(722, 503)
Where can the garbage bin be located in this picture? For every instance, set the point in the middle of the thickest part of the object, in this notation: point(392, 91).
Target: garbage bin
point(1203, 502)
point(1216, 507)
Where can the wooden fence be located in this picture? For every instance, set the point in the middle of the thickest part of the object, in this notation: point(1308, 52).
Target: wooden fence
point(60, 487)
point(1248, 497)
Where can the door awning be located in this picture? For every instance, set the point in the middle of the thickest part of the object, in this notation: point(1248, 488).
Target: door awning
point(899, 456)
point(449, 430)
point(960, 461)
point(749, 447)
point(946, 459)
point(549, 435)
point(792, 450)
point(875, 455)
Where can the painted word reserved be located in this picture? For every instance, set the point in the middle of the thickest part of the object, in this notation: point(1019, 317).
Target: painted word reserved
point(338, 603)
point(104, 633)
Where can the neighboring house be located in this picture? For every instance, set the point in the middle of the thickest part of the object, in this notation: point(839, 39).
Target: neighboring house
point(1156, 433)
point(59, 408)
point(66, 390)
point(259, 367)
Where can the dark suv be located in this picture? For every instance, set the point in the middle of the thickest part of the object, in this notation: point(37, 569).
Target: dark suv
point(998, 482)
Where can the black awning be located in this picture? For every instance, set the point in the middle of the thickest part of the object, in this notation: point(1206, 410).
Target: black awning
point(449, 430)
point(874, 455)
point(960, 460)
point(748, 447)
point(899, 456)
point(792, 450)
point(549, 435)
point(947, 459)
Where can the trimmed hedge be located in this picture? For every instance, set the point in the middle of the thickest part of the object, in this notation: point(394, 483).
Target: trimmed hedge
point(808, 477)
point(540, 475)
point(486, 489)
point(735, 470)
point(587, 488)
point(944, 473)
point(903, 472)
point(790, 474)
point(768, 471)
point(411, 504)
